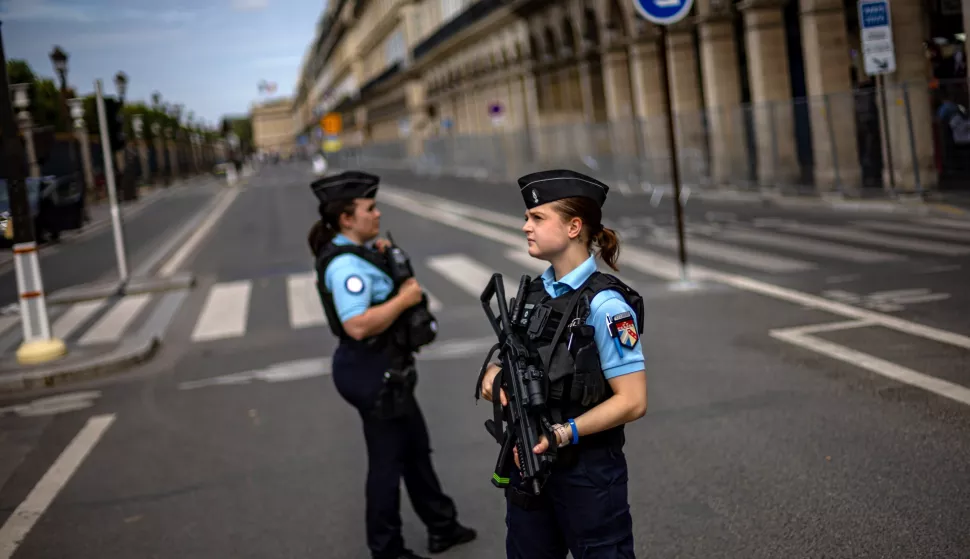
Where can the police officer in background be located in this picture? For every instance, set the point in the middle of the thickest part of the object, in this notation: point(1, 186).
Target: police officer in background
point(585, 327)
point(380, 322)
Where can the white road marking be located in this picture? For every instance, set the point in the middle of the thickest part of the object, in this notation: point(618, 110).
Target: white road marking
point(955, 223)
point(75, 316)
point(225, 312)
point(19, 524)
point(666, 268)
point(949, 235)
point(113, 324)
point(173, 263)
point(810, 246)
point(53, 405)
point(303, 301)
point(865, 237)
point(320, 366)
point(464, 272)
point(800, 336)
point(7, 321)
point(737, 256)
point(434, 304)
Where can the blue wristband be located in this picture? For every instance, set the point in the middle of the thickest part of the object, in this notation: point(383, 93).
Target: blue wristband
point(575, 431)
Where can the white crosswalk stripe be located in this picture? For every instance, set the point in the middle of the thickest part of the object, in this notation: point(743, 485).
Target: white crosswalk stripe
point(75, 316)
point(225, 312)
point(466, 273)
point(303, 301)
point(809, 246)
point(114, 324)
point(949, 235)
point(951, 223)
point(888, 241)
point(729, 254)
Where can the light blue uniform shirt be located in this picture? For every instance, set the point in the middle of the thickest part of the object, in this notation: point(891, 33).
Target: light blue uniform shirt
point(614, 361)
point(355, 283)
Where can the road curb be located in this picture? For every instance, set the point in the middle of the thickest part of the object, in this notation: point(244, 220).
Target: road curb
point(124, 356)
point(135, 286)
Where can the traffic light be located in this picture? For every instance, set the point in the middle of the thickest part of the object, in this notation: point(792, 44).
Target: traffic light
point(116, 128)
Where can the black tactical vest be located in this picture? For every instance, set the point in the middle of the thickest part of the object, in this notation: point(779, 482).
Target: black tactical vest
point(566, 344)
point(416, 327)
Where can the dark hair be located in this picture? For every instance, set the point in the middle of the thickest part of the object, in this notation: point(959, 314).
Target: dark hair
point(590, 213)
point(326, 228)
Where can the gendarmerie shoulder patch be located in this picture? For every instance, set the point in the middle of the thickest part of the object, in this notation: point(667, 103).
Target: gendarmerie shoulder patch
point(624, 329)
point(354, 284)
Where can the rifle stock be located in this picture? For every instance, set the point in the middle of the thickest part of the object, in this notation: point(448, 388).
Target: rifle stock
point(522, 380)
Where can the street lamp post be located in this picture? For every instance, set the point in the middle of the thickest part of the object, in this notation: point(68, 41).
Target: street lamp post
point(138, 126)
point(21, 102)
point(81, 131)
point(59, 61)
point(38, 345)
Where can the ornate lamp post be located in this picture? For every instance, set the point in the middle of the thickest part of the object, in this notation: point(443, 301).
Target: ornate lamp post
point(81, 132)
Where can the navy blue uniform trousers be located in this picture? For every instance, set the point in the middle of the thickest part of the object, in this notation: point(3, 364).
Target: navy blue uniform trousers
point(582, 509)
point(396, 448)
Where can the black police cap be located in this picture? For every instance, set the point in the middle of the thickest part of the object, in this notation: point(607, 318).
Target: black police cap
point(548, 186)
point(345, 186)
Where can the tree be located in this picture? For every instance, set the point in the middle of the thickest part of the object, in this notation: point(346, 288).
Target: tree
point(45, 96)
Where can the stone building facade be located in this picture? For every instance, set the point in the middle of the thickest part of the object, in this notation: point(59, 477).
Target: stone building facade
point(765, 93)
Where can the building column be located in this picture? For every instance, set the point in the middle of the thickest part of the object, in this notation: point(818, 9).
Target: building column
point(908, 99)
point(586, 91)
point(647, 86)
point(722, 92)
point(686, 101)
point(415, 97)
point(771, 97)
point(831, 101)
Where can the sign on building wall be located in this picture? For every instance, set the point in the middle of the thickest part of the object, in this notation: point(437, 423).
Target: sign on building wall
point(875, 24)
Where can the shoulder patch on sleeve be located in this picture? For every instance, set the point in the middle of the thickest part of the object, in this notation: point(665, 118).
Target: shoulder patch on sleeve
point(354, 284)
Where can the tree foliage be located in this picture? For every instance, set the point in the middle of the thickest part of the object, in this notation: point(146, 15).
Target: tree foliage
point(47, 109)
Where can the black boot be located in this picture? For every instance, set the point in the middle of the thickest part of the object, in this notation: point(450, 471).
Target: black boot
point(457, 535)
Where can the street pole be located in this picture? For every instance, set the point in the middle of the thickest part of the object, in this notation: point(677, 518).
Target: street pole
point(662, 14)
point(38, 345)
point(112, 193)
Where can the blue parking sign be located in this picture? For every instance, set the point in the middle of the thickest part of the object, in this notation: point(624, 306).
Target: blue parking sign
point(663, 12)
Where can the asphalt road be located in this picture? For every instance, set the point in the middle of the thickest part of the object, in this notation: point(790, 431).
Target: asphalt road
point(89, 255)
point(752, 447)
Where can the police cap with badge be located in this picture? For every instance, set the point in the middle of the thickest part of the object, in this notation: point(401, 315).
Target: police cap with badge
point(348, 185)
point(548, 186)
point(416, 327)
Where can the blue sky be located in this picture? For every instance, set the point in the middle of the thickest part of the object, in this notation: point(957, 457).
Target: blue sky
point(209, 55)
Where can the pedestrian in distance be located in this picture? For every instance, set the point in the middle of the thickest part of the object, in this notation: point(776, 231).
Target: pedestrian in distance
point(380, 317)
point(584, 327)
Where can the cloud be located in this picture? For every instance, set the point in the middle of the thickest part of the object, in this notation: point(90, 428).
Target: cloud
point(122, 38)
point(249, 5)
point(44, 10)
point(59, 10)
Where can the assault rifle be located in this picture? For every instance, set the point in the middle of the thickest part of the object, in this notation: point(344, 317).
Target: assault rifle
point(522, 378)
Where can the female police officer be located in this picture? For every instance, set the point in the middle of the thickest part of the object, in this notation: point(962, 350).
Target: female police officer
point(585, 326)
point(370, 368)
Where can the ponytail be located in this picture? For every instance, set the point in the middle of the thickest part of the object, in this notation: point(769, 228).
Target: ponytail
point(590, 213)
point(325, 229)
point(609, 246)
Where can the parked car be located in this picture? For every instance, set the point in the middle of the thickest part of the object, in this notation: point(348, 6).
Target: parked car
point(56, 204)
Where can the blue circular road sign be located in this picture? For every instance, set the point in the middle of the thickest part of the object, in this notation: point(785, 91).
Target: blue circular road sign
point(663, 12)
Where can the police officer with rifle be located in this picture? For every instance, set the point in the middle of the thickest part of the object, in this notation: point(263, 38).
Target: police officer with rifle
point(379, 313)
point(570, 376)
